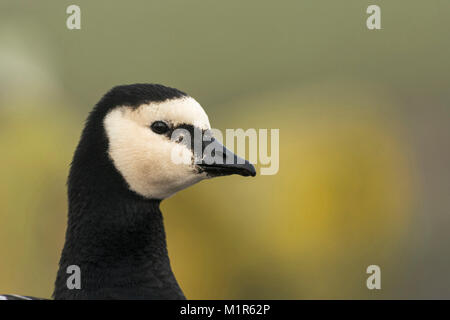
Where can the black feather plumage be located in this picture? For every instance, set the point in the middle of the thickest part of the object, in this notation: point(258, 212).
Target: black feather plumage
point(114, 235)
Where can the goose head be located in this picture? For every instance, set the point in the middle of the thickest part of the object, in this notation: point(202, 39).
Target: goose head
point(159, 139)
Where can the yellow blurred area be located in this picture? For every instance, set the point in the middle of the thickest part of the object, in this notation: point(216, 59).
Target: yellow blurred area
point(341, 199)
point(36, 151)
point(363, 151)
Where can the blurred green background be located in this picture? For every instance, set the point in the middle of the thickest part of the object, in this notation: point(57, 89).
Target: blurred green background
point(364, 130)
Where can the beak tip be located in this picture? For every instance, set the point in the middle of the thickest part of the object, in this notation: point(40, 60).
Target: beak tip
point(252, 170)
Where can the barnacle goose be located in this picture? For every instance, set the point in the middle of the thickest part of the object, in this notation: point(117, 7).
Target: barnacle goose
point(141, 144)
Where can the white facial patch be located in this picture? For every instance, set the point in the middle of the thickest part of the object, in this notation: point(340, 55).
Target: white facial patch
point(143, 157)
point(176, 111)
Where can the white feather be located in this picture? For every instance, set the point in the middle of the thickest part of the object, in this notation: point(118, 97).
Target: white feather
point(143, 157)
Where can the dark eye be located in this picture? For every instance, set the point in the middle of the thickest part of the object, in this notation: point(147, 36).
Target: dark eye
point(159, 127)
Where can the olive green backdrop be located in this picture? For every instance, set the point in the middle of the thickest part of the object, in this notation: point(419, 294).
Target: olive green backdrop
point(364, 130)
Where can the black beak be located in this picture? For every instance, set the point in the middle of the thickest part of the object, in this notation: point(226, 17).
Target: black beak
point(219, 161)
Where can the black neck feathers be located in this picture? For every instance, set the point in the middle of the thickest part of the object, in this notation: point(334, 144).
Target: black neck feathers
point(114, 235)
point(119, 244)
